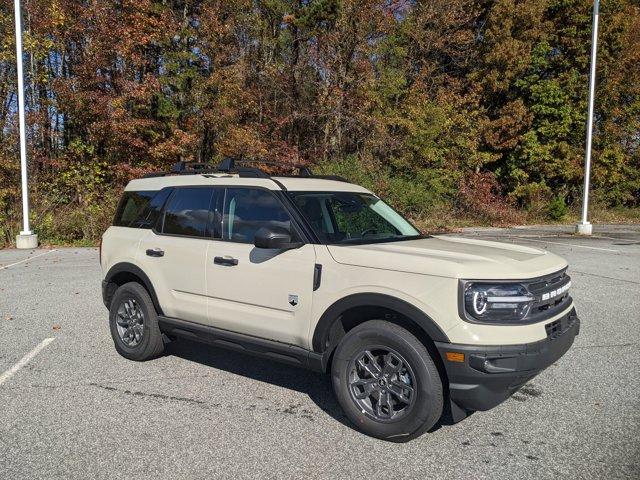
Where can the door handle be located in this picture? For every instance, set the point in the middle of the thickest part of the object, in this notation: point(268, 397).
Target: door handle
point(155, 252)
point(225, 261)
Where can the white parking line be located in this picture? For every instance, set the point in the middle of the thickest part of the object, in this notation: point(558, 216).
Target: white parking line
point(526, 239)
point(24, 360)
point(27, 259)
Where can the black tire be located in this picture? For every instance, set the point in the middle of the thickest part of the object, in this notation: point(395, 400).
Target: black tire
point(150, 345)
point(426, 400)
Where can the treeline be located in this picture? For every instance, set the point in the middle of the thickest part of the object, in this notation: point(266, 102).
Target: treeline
point(456, 107)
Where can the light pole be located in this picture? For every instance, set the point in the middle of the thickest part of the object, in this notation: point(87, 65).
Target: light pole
point(26, 238)
point(585, 227)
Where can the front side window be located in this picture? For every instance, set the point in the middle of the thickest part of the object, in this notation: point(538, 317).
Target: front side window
point(246, 210)
point(352, 217)
point(188, 212)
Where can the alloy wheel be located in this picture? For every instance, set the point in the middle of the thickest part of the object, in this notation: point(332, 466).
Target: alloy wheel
point(382, 383)
point(130, 322)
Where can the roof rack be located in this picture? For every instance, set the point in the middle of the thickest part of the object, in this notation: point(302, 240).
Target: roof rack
point(228, 165)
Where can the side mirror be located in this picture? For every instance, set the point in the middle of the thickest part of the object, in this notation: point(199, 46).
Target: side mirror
point(276, 238)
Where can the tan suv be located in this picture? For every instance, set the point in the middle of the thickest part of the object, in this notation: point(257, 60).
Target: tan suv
point(321, 273)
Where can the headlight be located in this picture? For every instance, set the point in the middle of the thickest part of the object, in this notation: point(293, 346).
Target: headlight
point(498, 302)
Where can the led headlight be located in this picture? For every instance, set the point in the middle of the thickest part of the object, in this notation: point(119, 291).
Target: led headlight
point(499, 302)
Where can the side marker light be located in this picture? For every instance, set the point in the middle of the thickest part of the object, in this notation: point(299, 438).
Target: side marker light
point(455, 357)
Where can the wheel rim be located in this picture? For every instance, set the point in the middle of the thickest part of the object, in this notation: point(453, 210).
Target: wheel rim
point(130, 322)
point(382, 384)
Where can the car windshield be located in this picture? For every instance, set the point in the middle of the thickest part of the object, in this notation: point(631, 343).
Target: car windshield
point(352, 217)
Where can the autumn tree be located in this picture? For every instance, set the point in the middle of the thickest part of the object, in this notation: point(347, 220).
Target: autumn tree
point(448, 108)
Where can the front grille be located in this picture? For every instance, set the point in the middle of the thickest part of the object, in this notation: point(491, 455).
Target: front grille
point(547, 301)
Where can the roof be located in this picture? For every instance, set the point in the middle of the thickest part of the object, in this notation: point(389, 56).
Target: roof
point(222, 179)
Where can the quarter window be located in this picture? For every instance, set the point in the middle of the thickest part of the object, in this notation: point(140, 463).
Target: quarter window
point(132, 208)
point(154, 210)
point(188, 212)
point(246, 210)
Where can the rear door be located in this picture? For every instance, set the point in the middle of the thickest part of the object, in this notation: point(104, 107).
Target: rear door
point(174, 253)
point(261, 292)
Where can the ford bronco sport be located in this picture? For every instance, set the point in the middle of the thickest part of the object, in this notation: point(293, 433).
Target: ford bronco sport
point(320, 273)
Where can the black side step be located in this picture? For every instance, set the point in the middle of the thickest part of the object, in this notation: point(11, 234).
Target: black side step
point(281, 352)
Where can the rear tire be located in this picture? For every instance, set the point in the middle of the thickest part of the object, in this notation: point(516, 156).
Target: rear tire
point(386, 382)
point(133, 322)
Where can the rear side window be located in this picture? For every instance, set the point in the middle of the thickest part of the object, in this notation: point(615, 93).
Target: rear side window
point(133, 208)
point(188, 212)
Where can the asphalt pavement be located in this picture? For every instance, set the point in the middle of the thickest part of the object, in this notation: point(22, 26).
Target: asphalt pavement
point(76, 409)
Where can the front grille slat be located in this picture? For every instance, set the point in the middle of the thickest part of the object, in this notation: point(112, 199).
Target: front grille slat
point(542, 285)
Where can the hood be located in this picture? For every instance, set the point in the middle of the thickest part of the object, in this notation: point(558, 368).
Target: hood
point(453, 257)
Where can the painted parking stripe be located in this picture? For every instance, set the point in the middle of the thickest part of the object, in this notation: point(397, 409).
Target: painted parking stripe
point(24, 360)
point(527, 239)
point(574, 245)
point(27, 259)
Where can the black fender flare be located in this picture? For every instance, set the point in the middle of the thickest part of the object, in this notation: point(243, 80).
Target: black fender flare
point(333, 313)
point(126, 267)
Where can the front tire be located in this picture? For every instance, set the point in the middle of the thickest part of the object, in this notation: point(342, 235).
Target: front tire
point(386, 382)
point(133, 322)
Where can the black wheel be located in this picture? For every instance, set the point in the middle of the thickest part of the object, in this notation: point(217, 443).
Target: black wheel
point(133, 322)
point(386, 381)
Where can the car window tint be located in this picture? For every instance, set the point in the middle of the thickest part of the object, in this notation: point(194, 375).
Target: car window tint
point(132, 207)
point(188, 212)
point(247, 210)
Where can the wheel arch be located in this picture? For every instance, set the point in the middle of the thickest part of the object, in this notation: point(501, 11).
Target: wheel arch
point(367, 306)
point(126, 272)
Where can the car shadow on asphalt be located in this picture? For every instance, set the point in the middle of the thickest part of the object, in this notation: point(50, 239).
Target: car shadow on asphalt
point(316, 385)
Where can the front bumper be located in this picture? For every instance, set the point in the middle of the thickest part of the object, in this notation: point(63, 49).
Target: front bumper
point(491, 374)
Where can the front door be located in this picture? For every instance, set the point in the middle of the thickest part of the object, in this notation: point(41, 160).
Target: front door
point(261, 292)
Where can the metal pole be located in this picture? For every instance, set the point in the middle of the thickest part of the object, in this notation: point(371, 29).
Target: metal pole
point(23, 132)
point(584, 226)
